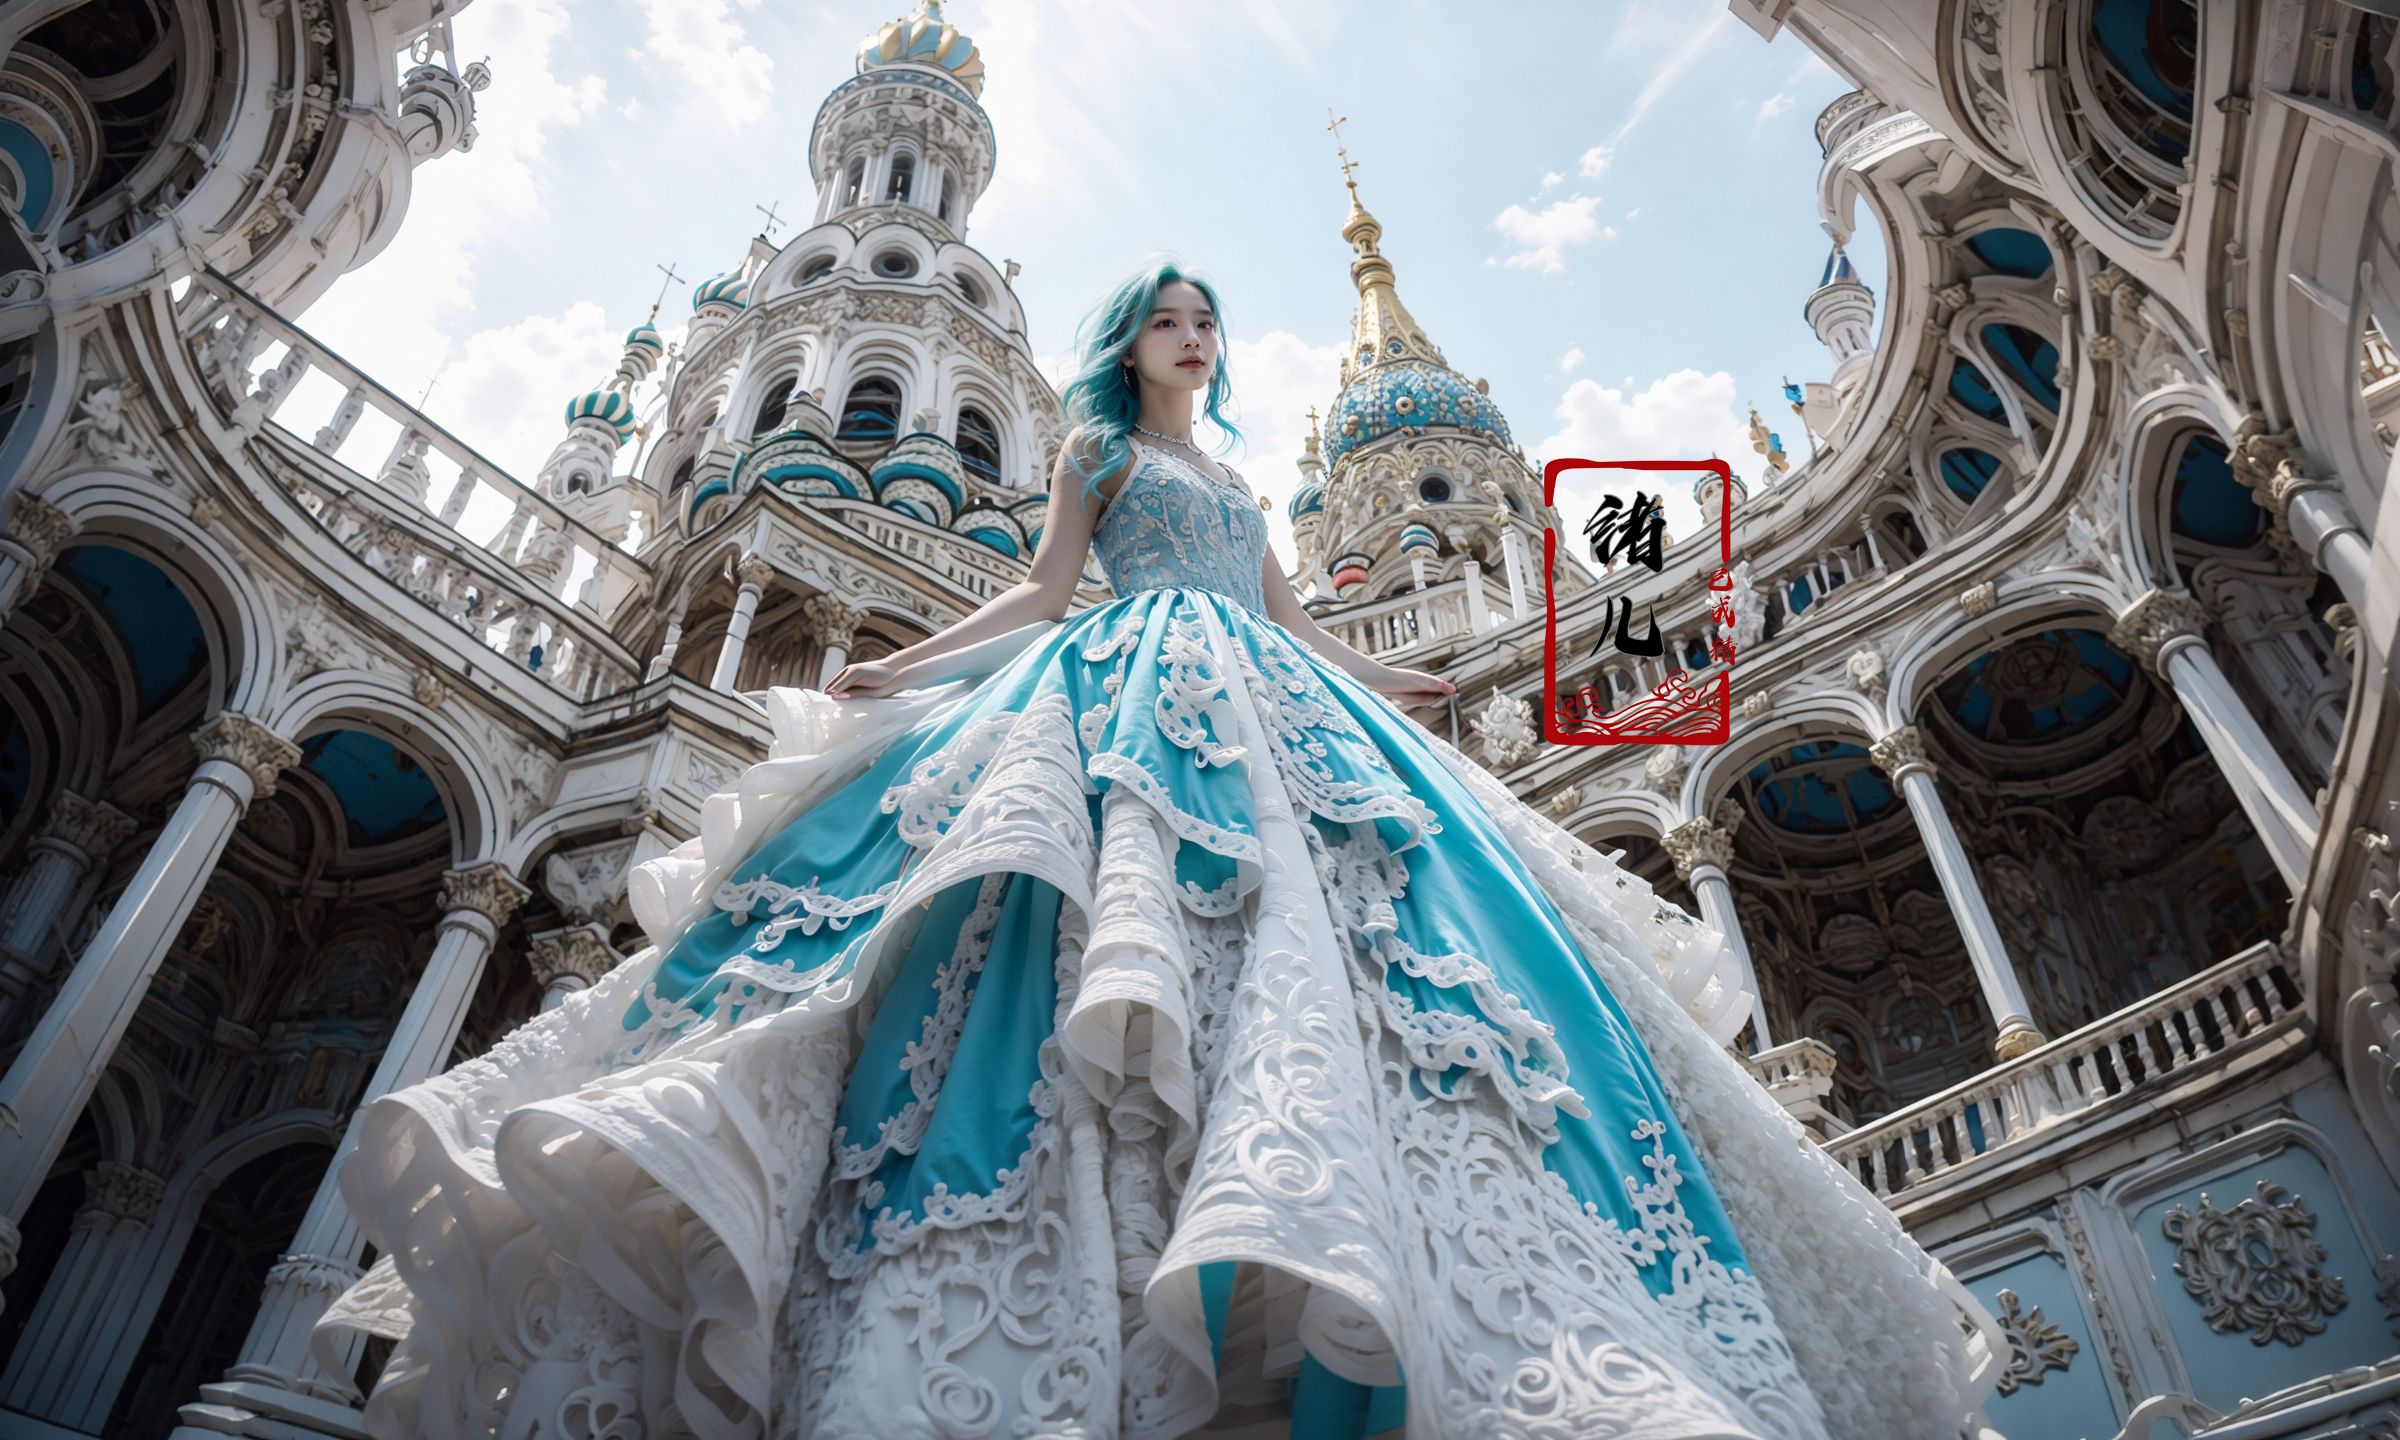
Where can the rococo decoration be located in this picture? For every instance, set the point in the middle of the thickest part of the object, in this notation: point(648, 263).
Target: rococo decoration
point(2257, 1266)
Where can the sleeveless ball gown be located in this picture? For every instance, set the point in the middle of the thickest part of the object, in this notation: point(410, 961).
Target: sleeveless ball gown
point(1158, 1035)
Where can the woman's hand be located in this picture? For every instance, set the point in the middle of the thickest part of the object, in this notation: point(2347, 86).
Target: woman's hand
point(867, 680)
point(1411, 688)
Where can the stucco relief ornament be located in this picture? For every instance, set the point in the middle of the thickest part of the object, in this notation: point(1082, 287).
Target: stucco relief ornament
point(240, 740)
point(1696, 843)
point(582, 951)
point(104, 433)
point(43, 530)
point(2257, 1266)
point(1663, 772)
point(2035, 1346)
point(2151, 625)
point(1864, 670)
point(1506, 727)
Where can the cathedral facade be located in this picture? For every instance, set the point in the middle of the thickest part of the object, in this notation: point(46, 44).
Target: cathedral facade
point(2055, 828)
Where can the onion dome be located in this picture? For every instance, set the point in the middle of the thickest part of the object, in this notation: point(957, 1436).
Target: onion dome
point(730, 288)
point(1395, 378)
point(925, 38)
point(1308, 500)
point(609, 407)
point(1418, 540)
point(1704, 491)
point(1350, 570)
point(645, 336)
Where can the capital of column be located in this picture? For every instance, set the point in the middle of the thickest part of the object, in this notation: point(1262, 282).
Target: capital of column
point(830, 623)
point(1696, 843)
point(314, 1272)
point(92, 827)
point(753, 571)
point(239, 740)
point(43, 529)
point(114, 1192)
point(487, 890)
point(2156, 626)
point(582, 951)
point(1902, 754)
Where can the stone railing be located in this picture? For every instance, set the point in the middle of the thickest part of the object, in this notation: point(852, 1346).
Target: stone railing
point(506, 591)
point(1800, 1077)
point(1413, 617)
point(2232, 1005)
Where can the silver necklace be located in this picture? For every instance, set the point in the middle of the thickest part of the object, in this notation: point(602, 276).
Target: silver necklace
point(1186, 442)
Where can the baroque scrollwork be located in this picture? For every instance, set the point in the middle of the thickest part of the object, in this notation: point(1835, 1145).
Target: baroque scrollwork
point(2035, 1345)
point(2257, 1266)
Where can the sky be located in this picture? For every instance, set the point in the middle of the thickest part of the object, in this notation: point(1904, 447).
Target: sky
point(1606, 209)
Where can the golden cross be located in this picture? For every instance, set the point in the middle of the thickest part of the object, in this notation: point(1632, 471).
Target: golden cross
point(1348, 164)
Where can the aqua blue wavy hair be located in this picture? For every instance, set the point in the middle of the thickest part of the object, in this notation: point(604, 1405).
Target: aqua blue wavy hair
point(1103, 396)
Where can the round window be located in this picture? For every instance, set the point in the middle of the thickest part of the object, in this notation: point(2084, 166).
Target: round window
point(1434, 489)
point(895, 264)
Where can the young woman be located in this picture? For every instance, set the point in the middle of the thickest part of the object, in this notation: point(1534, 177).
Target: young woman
point(1127, 1023)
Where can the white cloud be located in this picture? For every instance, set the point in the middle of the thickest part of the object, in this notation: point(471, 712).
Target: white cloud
point(460, 205)
point(1683, 416)
point(1773, 106)
point(1608, 232)
point(505, 384)
point(1277, 378)
point(1552, 179)
point(704, 44)
point(1542, 237)
point(1568, 361)
point(1594, 163)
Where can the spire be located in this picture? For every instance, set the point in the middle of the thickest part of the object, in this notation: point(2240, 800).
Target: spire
point(1382, 319)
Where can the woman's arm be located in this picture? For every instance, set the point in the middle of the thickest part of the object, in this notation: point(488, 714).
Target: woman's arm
point(1043, 594)
point(1405, 687)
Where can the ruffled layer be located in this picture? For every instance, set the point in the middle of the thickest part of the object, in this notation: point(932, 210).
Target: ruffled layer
point(601, 1221)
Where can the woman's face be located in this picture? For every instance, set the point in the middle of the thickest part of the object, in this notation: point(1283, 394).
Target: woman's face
point(1177, 346)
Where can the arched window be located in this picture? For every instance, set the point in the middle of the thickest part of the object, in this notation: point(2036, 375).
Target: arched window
point(904, 179)
point(944, 210)
point(979, 444)
point(967, 287)
point(872, 411)
point(1969, 388)
point(853, 183)
point(816, 270)
point(770, 409)
point(1967, 470)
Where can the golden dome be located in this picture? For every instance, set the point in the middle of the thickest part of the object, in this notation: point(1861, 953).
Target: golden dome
point(925, 38)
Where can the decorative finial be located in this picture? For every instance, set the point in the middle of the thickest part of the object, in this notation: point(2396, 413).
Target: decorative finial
point(773, 219)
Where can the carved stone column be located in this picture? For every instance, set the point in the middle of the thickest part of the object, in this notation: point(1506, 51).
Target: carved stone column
point(323, 1258)
point(754, 573)
point(1702, 851)
point(59, 1369)
point(80, 835)
point(37, 531)
point(51, 1079)
point(2164, 632)
point(1479, 609)
point(1901, 755)
point(1512, 550)
point(568, 960)
point(834, 626)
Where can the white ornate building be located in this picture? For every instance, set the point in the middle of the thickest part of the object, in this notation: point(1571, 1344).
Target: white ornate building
point(2056, 820)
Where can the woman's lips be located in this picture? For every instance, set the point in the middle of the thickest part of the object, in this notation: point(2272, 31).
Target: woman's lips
point(1188, 365)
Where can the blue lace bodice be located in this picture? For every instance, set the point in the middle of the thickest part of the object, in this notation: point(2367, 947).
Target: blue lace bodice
point(1170, 525)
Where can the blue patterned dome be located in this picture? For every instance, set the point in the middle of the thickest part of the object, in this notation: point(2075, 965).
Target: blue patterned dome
point(1308, 500)
point(645, 336)
point(608, 406)
point(925, 38)
point(726, 289)
point(1416, 538)
point(1408, 395)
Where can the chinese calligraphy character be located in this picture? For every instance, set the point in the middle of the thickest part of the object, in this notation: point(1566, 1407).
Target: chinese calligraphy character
point(1653, 644)
point(1636, 532)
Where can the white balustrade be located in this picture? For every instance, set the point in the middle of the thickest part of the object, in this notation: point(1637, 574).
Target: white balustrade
point(2232, 1004)
point(506, 592)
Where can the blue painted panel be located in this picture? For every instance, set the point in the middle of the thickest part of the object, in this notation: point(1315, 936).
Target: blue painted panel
point(2209, 504)
point(1970, 389)
point(1966, 471)
point(154, 622)
point(2028, 358)
point(2012, 252)
point(2065, 1403)
point(384, 793)
point(33, 158)
point(2226, 1368)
